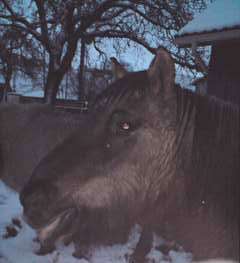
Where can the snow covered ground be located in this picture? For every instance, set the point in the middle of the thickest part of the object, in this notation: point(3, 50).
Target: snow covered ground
point(21, 247)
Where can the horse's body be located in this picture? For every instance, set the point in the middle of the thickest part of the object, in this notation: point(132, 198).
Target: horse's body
point(28, 133)
point(150, 153)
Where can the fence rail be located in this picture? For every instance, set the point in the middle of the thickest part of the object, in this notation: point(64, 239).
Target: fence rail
point(61, 104)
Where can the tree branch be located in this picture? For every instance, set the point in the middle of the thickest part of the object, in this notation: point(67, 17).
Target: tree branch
point(121, 34)
point(43, 23)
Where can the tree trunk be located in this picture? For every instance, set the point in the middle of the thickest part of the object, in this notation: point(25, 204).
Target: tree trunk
point(57, 70)
point(54, 79)
point(44, 68)
point(8, 77)
point(81, 91)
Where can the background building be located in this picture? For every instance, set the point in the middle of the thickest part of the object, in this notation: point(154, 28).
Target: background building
point(218, 26)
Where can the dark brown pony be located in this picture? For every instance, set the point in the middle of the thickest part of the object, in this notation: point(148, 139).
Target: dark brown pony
point(150, 153)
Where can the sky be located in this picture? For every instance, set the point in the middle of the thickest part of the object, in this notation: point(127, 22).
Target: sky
point(219, 14)
point(138, 58)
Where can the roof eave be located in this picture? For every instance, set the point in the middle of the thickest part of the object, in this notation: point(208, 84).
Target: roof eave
point(207, 38)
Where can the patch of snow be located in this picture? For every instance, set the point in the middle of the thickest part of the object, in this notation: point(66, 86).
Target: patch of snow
point(220, 14)
point(39, 93)
point(216, 261)
point(10, 206)
point(34, 93)
point(180, 257)
point(21, 247)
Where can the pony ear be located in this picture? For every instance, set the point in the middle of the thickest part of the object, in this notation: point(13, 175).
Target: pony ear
point(161, 74)
point(118, 70)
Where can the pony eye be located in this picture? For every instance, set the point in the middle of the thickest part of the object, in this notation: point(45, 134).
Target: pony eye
point(125, 126)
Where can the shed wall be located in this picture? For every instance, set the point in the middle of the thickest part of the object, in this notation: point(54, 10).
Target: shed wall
point(224, 71)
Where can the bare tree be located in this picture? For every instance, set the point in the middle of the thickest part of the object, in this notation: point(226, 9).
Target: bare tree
point(58, 25)
point(17, 54)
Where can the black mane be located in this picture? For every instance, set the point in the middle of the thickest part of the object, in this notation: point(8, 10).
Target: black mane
point(121, 89)
point(212, 179)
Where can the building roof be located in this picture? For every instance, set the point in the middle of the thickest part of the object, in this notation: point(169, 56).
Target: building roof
point(219, 21)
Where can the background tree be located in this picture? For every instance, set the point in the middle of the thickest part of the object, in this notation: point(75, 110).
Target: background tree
point(59, 25)
point(17, 54)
